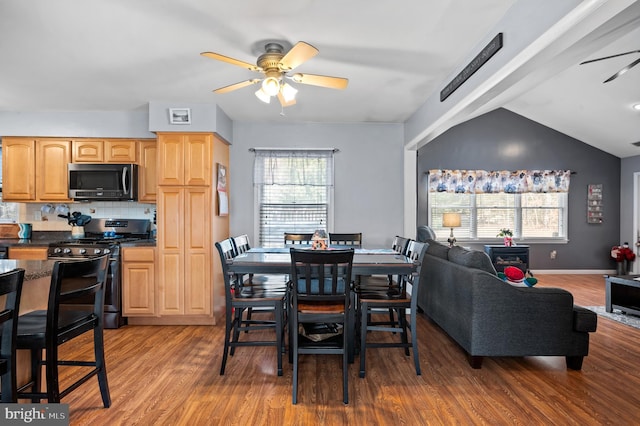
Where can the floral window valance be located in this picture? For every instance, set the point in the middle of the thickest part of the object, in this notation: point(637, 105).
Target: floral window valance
point(513, 182)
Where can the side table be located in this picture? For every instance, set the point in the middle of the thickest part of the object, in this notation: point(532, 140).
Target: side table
point(503, 256)
point(622, 292)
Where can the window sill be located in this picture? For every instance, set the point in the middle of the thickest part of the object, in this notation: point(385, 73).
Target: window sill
point(526, 242)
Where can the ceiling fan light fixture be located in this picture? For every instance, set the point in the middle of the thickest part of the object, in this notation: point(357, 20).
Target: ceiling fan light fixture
point(271, 86)
point(288, 92)
point(263, 96)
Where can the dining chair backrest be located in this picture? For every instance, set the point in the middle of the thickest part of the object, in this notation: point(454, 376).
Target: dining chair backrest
point(415, 252)
point(348, 240)
point(400, 244)
point(241, 244)
point(226, 251)
point(11, 288)
point(72, 282)
point(291, 238)
point(321, 275)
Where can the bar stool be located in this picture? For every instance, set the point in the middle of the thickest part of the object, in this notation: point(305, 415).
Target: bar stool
point(11, 288)
point(61, 322)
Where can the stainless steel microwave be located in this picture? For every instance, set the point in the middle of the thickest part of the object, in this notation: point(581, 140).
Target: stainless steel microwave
point(106, 182)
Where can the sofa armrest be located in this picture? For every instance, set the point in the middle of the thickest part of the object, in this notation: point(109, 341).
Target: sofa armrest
point(584, 319)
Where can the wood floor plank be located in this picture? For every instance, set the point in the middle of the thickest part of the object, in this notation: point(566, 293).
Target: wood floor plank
point(168, 375)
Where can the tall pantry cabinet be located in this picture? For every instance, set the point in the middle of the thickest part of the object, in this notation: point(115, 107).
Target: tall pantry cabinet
point(188, 226)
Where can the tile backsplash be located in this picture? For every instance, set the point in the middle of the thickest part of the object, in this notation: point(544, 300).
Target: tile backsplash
point(41, 221)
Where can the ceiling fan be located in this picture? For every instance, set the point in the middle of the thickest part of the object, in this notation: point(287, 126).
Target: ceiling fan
point(276, 65)
point(623, 70)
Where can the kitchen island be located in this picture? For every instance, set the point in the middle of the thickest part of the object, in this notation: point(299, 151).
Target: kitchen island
point(35, 292)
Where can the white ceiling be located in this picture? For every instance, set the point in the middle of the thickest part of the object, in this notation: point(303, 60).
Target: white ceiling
point(70, 55)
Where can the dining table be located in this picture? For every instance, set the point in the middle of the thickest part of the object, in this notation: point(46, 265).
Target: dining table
point(277, 260)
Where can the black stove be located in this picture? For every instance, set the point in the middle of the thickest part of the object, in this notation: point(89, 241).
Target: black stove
point(103, 237)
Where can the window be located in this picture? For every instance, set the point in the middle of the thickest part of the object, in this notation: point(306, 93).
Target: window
point(530, 216)
point(294, 190)
point(533, 204)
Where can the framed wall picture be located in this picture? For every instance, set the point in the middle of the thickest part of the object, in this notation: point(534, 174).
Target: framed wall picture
point(180, 115)
point(223, 196)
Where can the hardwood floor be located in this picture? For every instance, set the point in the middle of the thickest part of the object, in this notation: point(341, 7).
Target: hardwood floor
point(168, 375)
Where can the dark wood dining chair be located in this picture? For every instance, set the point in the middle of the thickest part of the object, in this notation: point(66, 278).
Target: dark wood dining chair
point(291, 238)
point(348, 240)
point(384, 283)
point(399, 299)
point(62, 322)
point(11, 289)
point(241, 245)
point(239, 300)
point(262, 282)
point(321, 295)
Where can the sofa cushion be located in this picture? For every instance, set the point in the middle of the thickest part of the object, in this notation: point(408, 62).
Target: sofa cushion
point(584, 319)
point(471, 259)
point(438, 249)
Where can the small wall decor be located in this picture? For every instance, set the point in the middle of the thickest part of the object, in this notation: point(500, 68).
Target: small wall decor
point(223, 198)
point(594, 203)
point(180, 115)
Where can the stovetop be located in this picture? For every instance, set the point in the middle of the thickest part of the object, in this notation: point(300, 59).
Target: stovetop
point(89, 246)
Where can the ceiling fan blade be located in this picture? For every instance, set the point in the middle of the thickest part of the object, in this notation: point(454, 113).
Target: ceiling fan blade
point(232, 61)
point(623, 70)
point(298, 54)
point(285, 103)
point(321, 80)
point(236, 86)
point(609, 57)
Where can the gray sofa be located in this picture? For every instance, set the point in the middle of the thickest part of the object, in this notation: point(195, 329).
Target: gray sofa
point(459, 290)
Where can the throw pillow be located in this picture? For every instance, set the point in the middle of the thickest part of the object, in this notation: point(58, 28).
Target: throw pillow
point(515, 276)
point(471, 259)
point(437, 249)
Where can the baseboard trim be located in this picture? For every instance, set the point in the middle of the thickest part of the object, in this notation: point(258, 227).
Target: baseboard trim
point(575, 271)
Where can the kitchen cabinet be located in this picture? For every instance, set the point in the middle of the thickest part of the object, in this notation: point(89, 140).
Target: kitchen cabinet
point(184, 159)
point(52, 179)
point(189, 284)
point(88, 151)
point(138, 281)
point(185, 254)
point(18, 169)
point(147, 171)
point(35, 169)
point(104, 151)
point(28, 253)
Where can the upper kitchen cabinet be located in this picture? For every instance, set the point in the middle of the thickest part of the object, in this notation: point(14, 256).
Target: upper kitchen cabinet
point(52, 177)
point(35, 169)
point(147, 170)
point(184, 159)
point(18, 169)
point(104, 151)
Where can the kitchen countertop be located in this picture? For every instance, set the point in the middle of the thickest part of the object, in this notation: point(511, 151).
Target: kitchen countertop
point(45, 240)
point(33, 269)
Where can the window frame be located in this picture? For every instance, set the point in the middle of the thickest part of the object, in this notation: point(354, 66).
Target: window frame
point(443, 233)
point(258, 195)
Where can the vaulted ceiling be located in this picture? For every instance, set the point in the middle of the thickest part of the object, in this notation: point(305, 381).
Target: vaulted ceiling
point(72, 55)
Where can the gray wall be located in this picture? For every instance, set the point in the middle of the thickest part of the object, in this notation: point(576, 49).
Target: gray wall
point(88, 124)
point(502, 140)
point(368, 174)
point(630, 166)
